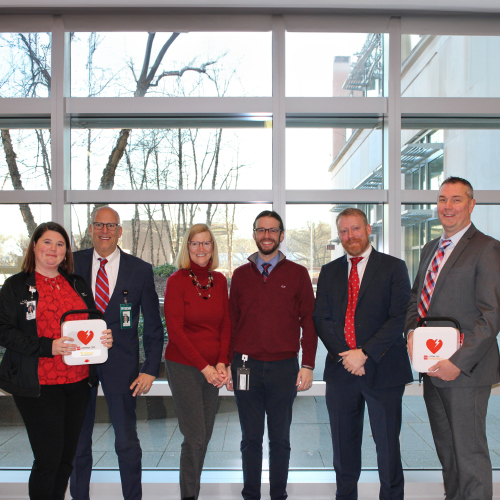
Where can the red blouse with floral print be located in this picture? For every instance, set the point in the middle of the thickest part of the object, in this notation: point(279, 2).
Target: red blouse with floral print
point(56, 296)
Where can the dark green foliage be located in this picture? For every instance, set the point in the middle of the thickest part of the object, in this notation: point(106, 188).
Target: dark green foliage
point(164, 270)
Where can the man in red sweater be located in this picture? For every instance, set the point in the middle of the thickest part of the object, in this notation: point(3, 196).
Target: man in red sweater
point(271, 300)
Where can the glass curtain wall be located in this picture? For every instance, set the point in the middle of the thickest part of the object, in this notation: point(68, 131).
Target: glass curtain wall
point(191, 125)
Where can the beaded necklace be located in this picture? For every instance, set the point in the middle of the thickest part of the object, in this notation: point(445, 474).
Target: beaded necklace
point(199, 286)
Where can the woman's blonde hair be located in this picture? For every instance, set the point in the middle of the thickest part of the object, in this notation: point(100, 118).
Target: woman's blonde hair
point(183, 260)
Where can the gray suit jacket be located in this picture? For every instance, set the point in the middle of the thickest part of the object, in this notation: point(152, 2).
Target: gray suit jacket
point(468, 289)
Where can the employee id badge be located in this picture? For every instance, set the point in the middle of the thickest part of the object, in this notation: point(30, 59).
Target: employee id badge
point(30, 310)
point(126, 316)
point(243, 376)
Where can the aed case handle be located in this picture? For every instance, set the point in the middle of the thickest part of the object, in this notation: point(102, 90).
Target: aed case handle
point(81, 311)
point(441, 318)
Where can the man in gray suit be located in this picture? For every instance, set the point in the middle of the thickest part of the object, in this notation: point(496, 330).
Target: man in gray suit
point(459, 276)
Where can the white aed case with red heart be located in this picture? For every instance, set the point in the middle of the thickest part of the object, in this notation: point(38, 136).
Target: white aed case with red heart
point(432, 344)
point(87, 335)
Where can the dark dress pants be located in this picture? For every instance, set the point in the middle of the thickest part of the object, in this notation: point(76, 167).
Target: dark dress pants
point(458, 422)
point(53, 422)
point(346, 406)
point(272, 392)
point(121, 409)
point(196, 403)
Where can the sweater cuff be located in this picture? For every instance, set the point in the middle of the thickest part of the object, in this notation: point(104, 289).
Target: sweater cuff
point(308, 361)
point(200, 365)
point(223, 359)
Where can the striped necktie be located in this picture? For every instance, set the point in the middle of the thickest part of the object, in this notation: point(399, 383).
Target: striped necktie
point(265, 272)
point(102, 287)
point(430, 280)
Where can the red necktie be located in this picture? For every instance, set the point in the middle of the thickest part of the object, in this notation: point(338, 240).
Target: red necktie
point(350, 333)
point(102, 287)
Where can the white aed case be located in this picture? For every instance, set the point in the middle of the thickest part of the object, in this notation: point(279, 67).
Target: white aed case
point(87, 335)
point(434, 343)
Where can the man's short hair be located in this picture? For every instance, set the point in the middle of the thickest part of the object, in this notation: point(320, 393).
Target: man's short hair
point(349, 212)
point(458, 180)
point(94, 213)
point(269, 213)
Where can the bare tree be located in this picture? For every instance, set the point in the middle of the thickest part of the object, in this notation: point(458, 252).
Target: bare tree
point(148, 78)
point(36, 75)
point(16, 180)
point(299, 242)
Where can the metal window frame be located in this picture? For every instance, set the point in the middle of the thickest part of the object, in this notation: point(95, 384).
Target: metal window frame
point(393, 109)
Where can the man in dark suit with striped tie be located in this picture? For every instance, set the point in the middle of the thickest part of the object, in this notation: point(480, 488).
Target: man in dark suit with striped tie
point(123, 287)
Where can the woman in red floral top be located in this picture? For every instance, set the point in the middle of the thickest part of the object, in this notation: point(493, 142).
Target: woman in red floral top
point(51, 396)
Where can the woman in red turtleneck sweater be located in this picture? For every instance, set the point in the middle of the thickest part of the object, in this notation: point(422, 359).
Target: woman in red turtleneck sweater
point(199, 330)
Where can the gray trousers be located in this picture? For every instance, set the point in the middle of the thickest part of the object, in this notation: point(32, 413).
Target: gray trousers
point(195, 402)
point(458, 422)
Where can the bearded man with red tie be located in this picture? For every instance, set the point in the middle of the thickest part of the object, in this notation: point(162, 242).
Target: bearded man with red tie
point(459, 277)
point(359, 315)
point(123, 287)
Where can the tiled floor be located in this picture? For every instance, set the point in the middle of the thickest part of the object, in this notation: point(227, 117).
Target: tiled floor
point(311, 441)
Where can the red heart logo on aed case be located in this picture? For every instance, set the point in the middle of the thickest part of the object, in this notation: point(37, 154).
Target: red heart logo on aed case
point(85, 337)
point(434, 345)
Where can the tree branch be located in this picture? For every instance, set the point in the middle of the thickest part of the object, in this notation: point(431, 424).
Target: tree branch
point(147, 57)
point(179, 73)
point(34, 58)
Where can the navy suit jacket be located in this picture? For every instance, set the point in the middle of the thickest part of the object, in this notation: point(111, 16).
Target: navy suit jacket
point(380, 314)
point(136, 277)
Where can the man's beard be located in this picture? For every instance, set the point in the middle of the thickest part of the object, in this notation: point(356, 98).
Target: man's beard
point(268, 251)
point(361, 244)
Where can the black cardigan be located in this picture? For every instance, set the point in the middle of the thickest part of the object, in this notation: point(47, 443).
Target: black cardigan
point(19, 367)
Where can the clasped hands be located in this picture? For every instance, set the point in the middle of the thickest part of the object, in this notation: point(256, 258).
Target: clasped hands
point(215, 375)
point(354, 361)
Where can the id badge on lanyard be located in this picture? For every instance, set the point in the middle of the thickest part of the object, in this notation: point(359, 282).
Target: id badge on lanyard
point(31, 306)
point(125, 312)
point(243, 376)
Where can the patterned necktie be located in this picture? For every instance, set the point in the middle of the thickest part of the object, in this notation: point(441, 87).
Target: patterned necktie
point(430, 280)
point(350, 333)
point(102, 287)
point(264, 272)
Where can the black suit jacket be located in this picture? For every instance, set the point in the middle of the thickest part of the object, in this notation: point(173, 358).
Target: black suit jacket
point(380, 314)
point(136, 277)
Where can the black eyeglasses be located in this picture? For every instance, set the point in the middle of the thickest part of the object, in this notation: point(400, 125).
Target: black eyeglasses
point(110, 225)
point(262, 230)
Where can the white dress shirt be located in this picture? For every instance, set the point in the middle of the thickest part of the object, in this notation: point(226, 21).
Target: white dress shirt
point(111, 268)
point(361, 264)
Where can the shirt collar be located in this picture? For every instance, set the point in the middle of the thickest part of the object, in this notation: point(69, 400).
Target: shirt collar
point(457, 236)
point(261, 261)
point(110, 258)
point(365, 254)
